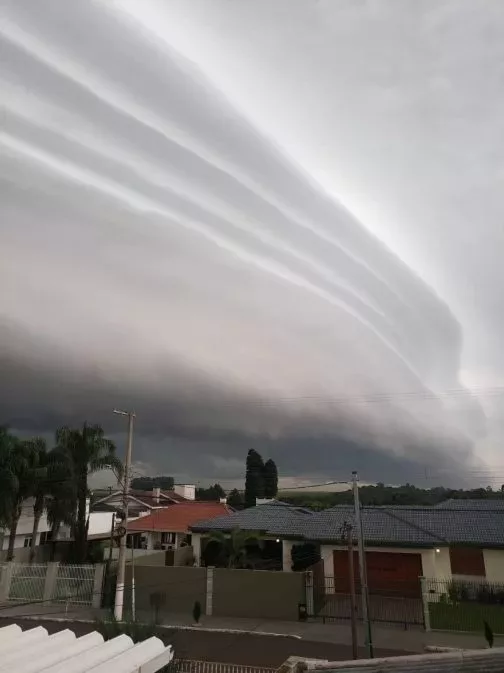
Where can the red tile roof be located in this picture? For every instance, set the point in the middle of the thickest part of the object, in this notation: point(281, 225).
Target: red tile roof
point(178, 517)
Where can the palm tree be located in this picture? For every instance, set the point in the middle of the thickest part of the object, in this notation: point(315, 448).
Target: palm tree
point(8, 480)
point(85, 451)
point(21, 470)
point(45, 487)
point(234, 545)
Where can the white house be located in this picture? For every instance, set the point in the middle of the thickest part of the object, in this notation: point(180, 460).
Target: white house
point(100, 524)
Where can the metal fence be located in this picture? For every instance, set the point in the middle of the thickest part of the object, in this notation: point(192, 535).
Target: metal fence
point(397, 603)
point(192, 666)
point(48, 583)
point(74, 585)
point(27, 582)
point(464, 604)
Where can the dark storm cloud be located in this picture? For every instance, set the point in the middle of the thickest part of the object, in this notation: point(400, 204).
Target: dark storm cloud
point(160, 251)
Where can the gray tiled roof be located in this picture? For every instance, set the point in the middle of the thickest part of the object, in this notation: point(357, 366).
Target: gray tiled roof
point(271, 518)
point(393, 526)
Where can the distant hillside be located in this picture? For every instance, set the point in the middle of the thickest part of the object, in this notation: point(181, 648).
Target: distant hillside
point(380, 494)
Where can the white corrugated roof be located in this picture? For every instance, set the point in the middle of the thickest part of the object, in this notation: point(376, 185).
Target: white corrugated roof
point(35, 651)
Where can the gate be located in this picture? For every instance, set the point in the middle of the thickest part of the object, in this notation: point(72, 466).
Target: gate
point(393, 605)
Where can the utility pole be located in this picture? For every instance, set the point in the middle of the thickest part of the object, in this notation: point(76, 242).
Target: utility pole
point(362, 566)
point(121, 566)
point(347, 533)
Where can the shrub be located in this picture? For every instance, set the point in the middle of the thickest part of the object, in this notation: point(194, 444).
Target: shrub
point(157, 601)
point(110, 628)
point(196, 612)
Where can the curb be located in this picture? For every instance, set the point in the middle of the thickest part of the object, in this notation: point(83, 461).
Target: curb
point(173, 627)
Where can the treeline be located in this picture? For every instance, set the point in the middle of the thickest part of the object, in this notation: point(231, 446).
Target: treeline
point(380, 494)
point(148, 483)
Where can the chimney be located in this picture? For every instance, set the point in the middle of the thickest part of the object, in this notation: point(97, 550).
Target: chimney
point(156, 494)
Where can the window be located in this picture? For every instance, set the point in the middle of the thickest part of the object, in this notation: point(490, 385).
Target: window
point(46, 537)
point(467, 561)
point(28, 541)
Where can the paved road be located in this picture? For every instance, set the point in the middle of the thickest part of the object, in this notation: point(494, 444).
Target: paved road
point(250, 649)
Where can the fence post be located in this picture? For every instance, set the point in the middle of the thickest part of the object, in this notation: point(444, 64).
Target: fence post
point(309, 593)
point(50, 581)
point(209, 590)
point(425, 604)
point(5, 582)
point(96, 599)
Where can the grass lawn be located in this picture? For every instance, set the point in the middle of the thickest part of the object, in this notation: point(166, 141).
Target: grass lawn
point(466, 617)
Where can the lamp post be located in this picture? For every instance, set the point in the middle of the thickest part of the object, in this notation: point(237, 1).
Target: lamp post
point(121, 566)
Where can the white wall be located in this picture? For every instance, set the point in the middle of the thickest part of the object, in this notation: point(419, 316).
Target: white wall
point(187, 491)
point(100, 523)
point(494, 564)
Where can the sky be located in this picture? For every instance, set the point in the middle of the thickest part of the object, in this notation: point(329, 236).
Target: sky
point(258, 224)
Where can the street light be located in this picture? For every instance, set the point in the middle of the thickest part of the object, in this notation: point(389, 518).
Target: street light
point(121, 569)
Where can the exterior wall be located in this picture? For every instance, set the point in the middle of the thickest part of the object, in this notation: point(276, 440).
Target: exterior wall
point(157, 558)
point(286, 555)
point(180, 557)
point(494, 564)
point(260, 594)
point(196, 547)
point(187, 491)
point(181, 587)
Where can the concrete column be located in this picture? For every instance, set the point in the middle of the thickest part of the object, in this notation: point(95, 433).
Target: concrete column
point(196, 545)
point(326, 553)
point(98, 585)
point(425, 604)
point(5, 581)
point(50, 581)
point(209, 590)
point(286, 555)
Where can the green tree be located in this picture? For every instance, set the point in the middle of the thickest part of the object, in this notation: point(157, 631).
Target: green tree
point(212, 493)
point(19, 472)
point(8, 480)
point(235, 499)
point(234, 546)
point(254, 478)
point(41, 489)
point(85, 451)
point(270, 474)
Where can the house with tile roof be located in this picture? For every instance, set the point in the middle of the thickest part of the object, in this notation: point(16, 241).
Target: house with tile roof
point(170, 527)
point(402, 543)
point(141, 503)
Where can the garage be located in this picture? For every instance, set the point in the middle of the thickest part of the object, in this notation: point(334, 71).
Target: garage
point(389, 574)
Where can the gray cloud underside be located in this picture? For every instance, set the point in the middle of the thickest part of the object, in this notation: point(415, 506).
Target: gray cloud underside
point(159, 251)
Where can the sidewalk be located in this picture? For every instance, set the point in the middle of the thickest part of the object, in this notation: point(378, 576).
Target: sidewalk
point(390, 638)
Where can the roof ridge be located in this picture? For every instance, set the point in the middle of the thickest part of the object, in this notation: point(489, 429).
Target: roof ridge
point(415, 525)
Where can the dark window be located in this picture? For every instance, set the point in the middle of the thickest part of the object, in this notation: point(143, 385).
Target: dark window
point(467, 561)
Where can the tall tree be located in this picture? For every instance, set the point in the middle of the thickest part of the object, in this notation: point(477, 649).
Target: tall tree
point(20, 470)
point(87, 450)
point(235, 499)
point(8, 479)
point(270, 479)
point(40, 489)
point(254, 478)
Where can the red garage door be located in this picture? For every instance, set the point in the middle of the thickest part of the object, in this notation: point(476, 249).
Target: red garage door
point(388, 574)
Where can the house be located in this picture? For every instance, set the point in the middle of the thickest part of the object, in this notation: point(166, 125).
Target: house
point(100, 524)
point(141, 503)
point(169, 527)
point(402, 543)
